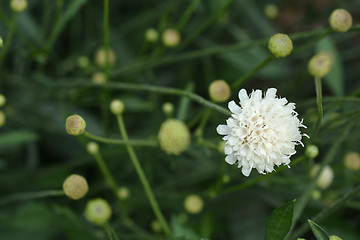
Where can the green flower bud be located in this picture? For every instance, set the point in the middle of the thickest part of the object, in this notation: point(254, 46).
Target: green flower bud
point(117, 107)
point(193, 204)
point(155, 226)
point(83, 61)
point(2, 100)
point(326, 176)
point(2, 118)
point(320, 64)
point(271, 11)
point(174, 136)
point(99, 78)
point(316, 194)
point(333, 237)
point(219, 91)
point(75, 125)
point(18, 5)
point(171, 37)
point(151, 35)
point(1, 42)
point(98, 211)
point(312, 151)
point(168, 108)
point(225, 179)
point(300, 239)
point(352, 161)
point(280, 45)
point(75, 186)
point(92, 148)
point(123, 193)
point(221, 147)
point(340, 20)
point(100, 57)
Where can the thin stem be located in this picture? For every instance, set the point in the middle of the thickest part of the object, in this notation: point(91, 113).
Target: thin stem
point(9, 38)
point(184, 102)
point(106, 38)
point(140, 143)
point(319, 104)
point(261, 177)
point(252, 72)
point(205, 117)
point(187, 14)
point(31, 195)
point(109, 232)
point(328, 211)
point(143, 178)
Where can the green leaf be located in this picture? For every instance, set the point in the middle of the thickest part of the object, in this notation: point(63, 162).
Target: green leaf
point(334, 80)
point(318, 231)
point(14, 138)
point(181, 231)
point(279, 222)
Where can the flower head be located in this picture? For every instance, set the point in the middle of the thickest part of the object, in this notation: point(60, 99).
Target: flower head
point(174, 137)
point(219, 91)
point(320, 64)
point(171, 37)
point(261, 132)
point(98, 211)
point(340, 20)
point(326, 176)
point(75, 186)
point(100, 57)
point(151, 35)
point(280, 45)
point(75, 125)
point(193, 204)
point(18, 5)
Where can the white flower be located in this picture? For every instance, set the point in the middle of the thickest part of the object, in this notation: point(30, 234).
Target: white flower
point(261, 131)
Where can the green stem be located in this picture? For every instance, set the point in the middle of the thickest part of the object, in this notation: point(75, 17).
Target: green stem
point(252, 72)
point(9, 38)
point(249, 183)
point(327, 212)
point(30, 195)
point(109, 232)
point(143, 178)
point(319, 104)
point(106, 39)
point(184, 102)
point(187, 15)
point(142, 143)
point(200, 130)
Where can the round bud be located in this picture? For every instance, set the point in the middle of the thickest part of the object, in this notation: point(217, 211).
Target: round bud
point(123, 193)
point(92, 148)
point(320, 64)
point(83, 61)
point(300, 239)
point(225, 179)
point(98, 211)
point(312, 151)
point(280, 45)
point(100, 57)
point(221, 147)
point(98, 78)
point(171, 37)
point(2, 100)
point(340, 20)
point(2, 118)
point(316, 194)
point(155, 226)
point(193, 204)
point(219, 91)
point(151, 35)
point(174, 136)
point(117, 107)
point(168, 108)
point(75, 186)
point(326, 176)
point(333, 237)
point(271, 11)
point(18, 5)
point(1, 42)
point(75, 125)
point(352, 161)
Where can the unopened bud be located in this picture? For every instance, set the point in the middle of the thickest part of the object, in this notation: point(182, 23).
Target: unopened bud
point(123, 193)
point(171, 37)
point(174, 136)
point(221, 147)
point(280, 45)
point(18, 5)
point(326, 176)
point(155, 226)
point(117, 107)
point(193, 204)
point(75, 186)
point(151, 35)
point(320, 64)
point(219, 91)
point(340, 20)
point(316, 194)
point(2, 118)
point(271, 11)
point(2, 100)
point(1, 42)
point(168, 108)
point(100, 57)
point(92, 148)
point(352, 161)
point(83, 61)
point(312, 151)
point(99, 78)
point(333, 237)
point(98, 211)
point(75, 125)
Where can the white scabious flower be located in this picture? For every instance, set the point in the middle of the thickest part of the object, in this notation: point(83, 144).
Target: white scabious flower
point(261, 131)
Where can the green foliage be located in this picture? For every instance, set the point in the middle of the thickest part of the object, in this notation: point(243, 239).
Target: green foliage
point(318, 231)
point(279, 222)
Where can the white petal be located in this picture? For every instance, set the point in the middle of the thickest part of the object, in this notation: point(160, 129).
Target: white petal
point(243, 96)
point(257, 95)
point(246, 171)
point(271, 93)
point(231, 159)
point(227, 150)
point(234, 108)
point(223, 129)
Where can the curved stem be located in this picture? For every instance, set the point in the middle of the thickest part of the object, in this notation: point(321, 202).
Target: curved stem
point(9, 38)
point(106, 39)
point(31, 195)
point(143, 178)
point(140, 143)
point(319, 104)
